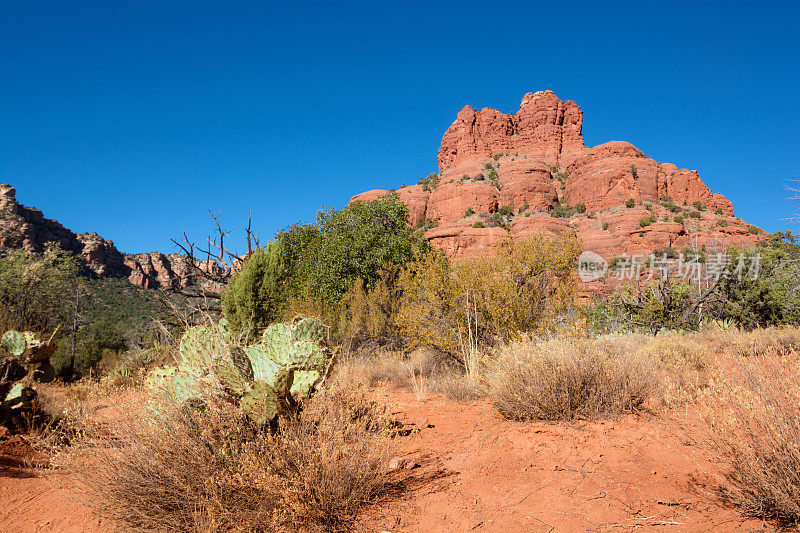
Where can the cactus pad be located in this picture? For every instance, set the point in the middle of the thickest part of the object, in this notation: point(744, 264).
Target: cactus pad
point(309, 329)
point(260, 403)
point(14, 343)
point(232, 368)
point(198, 347)
point(264, 368)
point(303, 383)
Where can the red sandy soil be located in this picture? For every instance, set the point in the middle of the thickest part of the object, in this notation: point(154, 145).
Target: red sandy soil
point(488, 474)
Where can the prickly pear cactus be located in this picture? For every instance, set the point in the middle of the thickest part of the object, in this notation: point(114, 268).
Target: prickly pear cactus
point(14, 343)
point(265, 379)
point(198, 347)
point(24, 361)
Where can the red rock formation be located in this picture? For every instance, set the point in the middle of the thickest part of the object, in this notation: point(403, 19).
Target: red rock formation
point(26, 227)
point(535, 160)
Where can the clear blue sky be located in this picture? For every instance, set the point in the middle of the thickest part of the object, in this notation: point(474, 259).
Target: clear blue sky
point(132, 119)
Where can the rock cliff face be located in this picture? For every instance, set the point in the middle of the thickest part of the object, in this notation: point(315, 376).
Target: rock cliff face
point(532, 172)
point(26, 227)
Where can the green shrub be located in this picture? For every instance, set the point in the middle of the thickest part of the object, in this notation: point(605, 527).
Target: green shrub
point(429, 182)
point(646, 221)
point(256, 296)
point(700, 206)
point(352, 243)
point(679, 219)
point(694, 214)
point(506, 211)
point(478, 224)
point(469, 212)
point(630, 202)
point(718, 211)
point(753, 230)
point(580, 207)
point(562, 211)
point(605, 226)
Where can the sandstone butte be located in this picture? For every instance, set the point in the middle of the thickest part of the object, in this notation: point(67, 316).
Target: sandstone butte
point(530, 163)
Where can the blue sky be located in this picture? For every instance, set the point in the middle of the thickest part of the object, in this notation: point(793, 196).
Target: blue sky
point(133, 119)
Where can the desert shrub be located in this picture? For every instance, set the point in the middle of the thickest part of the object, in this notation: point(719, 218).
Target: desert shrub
point(564, 379)
point(630, 202)
point(369, 314)
point(646, 221)
point(488, 165)
point(496, 220)
point(506, 211)
point(762, 287)
point(679, 219)
point(256, 296)
point(352, 243)
point(580, 207)
point(478, 224)
point(718, 211)
point(669, 252)
point(469, 212)
point(753, 230)
point(35, 288)
point(670, 205)
point(693, 214)
point(759, 342)
point(753, 412)
point(524, 207)
point(520, 290)
point(429, 182)
point(700, 206)
point(208, 470)
point(605, 226)
point(562, 210)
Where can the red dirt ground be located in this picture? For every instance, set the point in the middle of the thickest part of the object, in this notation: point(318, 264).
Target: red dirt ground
point(489, 474)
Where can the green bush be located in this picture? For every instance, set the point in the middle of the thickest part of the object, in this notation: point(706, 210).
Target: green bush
point(630, 202)
point(35, 288)
point(580, 207)
point(694, 214)
point(679, 219)
point(478, 224)
point(753, 230)
point(646, 221)
point(352, 243)
point(700, 206)
point(429, 182)
point(469, 212)
point(605, 226)
point(256, 296)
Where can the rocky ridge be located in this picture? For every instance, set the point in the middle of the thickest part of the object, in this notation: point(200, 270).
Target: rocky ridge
point(504, 175)
point(26, 227)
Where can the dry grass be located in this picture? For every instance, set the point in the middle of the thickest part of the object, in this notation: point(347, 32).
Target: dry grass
point(209, 470)
point(564, 379)
point(423, 371)
point(779, 340)
point(753, 411)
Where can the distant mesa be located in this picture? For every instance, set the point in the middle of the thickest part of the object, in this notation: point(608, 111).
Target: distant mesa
point(532, 165)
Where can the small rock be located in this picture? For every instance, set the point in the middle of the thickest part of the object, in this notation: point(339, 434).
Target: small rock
point(422, 422)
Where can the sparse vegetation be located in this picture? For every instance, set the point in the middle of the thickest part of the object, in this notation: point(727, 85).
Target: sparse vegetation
point(630, 202)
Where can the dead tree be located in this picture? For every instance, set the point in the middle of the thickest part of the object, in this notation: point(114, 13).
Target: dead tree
point(207, 270)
